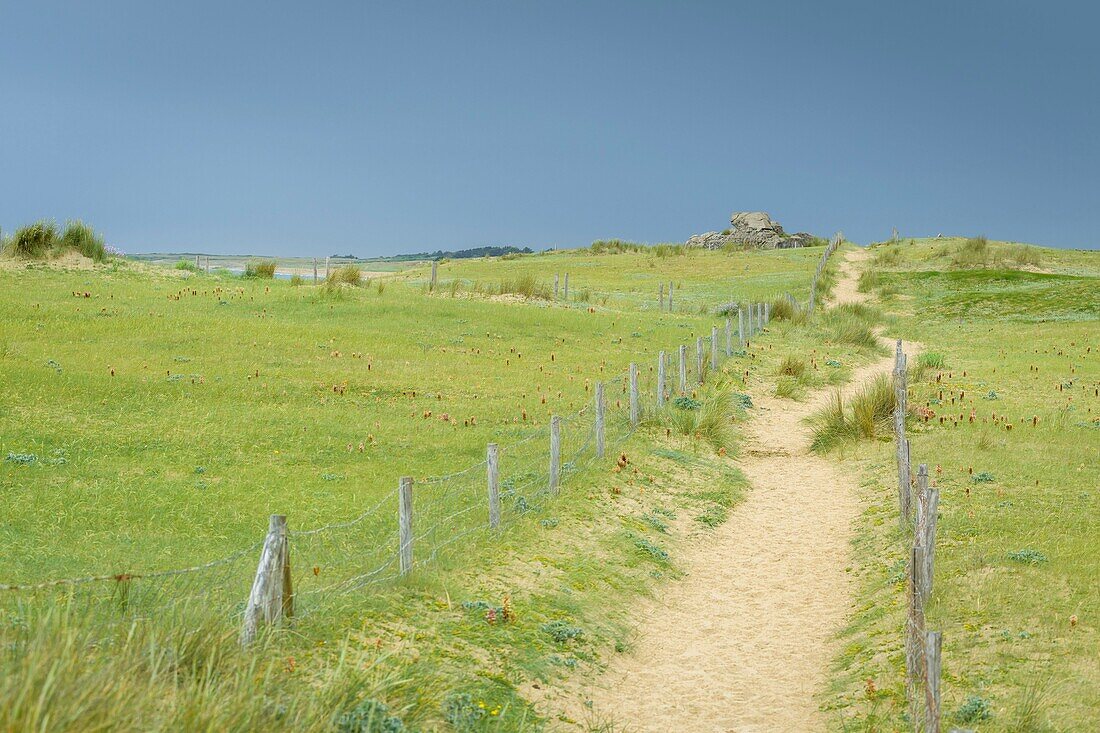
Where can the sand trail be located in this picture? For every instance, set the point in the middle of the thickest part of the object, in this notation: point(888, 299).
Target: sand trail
point(744, 641)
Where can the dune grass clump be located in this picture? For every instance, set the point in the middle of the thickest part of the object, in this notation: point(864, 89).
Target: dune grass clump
point(34, 241)
point(186, 265)
point(260, 269)
point(296, 281)
point(707, 418)
point(347, 274)
point(974, 252)
point(928, 361)
point(782, 310)
point(526, 286)
point(792, 366)
point(867, 416)
point(852, 323)
point(82, 238)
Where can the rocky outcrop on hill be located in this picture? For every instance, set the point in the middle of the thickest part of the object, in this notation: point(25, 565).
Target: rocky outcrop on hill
point(752, 229)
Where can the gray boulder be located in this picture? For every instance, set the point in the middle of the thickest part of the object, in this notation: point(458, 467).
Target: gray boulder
point(752, 229)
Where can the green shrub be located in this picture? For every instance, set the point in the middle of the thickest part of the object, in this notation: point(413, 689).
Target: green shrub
point(369, 716)
point(82, 238)
point(975, 709)
point(33, 242)
point(347, 275)
point(186, 265)
point(260, 269)
point(561, 632)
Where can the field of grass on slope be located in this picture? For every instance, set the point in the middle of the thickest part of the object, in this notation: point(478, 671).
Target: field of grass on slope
point(1005, 410)
point(153, 420)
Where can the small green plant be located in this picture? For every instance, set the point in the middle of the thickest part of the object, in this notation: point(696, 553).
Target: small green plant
point(687, 403)
point(561, 632)
point(1027, 556)
point(982, 477)
point(654, 551)
point(460, 710)
point(186, 265)
point(713, 516)
point(974, 710)
point(369, 716)
point(656, 522)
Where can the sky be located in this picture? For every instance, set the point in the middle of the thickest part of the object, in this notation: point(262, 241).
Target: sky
point(291, 128)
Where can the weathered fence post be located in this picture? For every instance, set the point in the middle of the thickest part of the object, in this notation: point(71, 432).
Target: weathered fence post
point(565, 291)
point(314, 270)
point(661, 296)
point(555, 454)
point(599, 420)
point(272, 595)
point(729, 336)
point(933, 646)
point(914, 636)
point(669, 296)
point(197, 267)
point(326, 268)
point(767, 312)
point(699, 358)
point(404, 523)
point(900, 389)
point(435, 274)
point(740, 327)
point(492, 462)
point(661, 379)
point(683, 368)
point(714, 348)
point(556, 286)
point(760, 316)
point(635, 410)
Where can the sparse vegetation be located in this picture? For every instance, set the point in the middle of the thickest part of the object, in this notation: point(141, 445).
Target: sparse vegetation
point(867, 416)
point(260, 269)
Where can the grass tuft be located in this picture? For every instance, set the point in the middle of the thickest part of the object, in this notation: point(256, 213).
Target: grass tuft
point(867, 416)
point(260, 269)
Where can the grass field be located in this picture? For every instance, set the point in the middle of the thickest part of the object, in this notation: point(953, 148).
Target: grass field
point(154, 418)
point(1009, 384)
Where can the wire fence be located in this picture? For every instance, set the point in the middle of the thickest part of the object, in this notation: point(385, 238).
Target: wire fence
point(302, 571)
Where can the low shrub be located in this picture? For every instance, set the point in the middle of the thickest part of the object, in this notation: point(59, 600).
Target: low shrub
point(187, 265)
point(260, 269)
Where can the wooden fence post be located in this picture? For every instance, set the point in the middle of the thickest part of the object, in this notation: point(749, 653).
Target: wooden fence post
point(683, 369)
point(760, 316)
point(435, 274)
point(661, 379)
point(669, 296)
point(740, 327)
point(272, 595)
point(914, 636)
point(314, 270)
point(565, 291)
point(635, 408)
point(599, 420)
point(404, 521)
point(767, 312)
point(699, 357)
point(492, 461)
point(933, 646)
point(729, 336)
point(661, 296)
point(326, 268)
point(556, 286)
point(714, 348)
point(555, 454)
point(899, 436)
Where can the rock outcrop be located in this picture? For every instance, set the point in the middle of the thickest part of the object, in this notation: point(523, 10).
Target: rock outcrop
point(752, 229)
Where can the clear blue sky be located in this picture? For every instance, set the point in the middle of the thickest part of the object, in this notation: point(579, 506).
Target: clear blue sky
point(370, 128)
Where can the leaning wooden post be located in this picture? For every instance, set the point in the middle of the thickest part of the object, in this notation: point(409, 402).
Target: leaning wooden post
point(699, 358)
point(740, 327)
point(404, 521)
point(661, 379)
point(272, 595)
point(492, 462)
point(435, 274)
point(683, 369)
point(914, 636)
point(599, 420)
point(714, 348)
point(729, 336)
point(635, 408)
point(555, 454)
point(933, 645)
point(314, 270)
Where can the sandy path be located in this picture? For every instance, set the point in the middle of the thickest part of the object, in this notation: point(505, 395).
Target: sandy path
point(743, 643)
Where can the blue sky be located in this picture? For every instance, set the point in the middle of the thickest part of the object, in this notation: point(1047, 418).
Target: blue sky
point(319, 128)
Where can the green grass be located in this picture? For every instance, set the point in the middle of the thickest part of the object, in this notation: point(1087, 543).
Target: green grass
point(263, 269)
point(1015, 560)
point(168, 414)
point(42, 240)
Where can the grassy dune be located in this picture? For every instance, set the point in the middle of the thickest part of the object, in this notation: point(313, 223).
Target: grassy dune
point(1017, 581)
